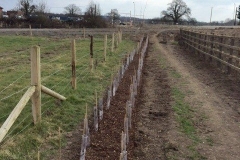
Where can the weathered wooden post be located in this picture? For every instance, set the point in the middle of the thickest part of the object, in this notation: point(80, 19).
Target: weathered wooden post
point(112, 48)
point(33, 92)
point(84, 33)
point(36, 81)
point(30, 30)
point(199, 43)
point(220, 53)
point(91, 52)
point(119, 36)
point(117, 40)
point(230, 60)
point(188, 40)
point(95, 110)
point(105, 47)
point(194, 42)
point(73, 48)
point(205, 45)
point(211, 50)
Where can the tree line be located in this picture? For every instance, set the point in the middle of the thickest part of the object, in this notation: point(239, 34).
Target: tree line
point(38, 15)
point(177, 12)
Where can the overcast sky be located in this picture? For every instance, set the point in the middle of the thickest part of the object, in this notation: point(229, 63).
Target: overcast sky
point(201, 9)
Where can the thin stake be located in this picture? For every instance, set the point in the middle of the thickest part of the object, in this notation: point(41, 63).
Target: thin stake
point(60, 143)
point(38, 155)
point(96, 97)
point(86, 111)
point(91, 52)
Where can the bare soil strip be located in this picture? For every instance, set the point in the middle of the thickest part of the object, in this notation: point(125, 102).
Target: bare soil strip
point(214, 98)
point(154, 111)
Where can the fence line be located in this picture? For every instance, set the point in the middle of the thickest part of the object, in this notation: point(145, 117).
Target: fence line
point(14, 82)
point(83, 74)
point(59, 57)
point(4, 98)
point(222, 49)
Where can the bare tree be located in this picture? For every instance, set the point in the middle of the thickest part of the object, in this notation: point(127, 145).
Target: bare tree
point(114, 14)
point(93, 10)
point(27, 7)
point(92, 16)
point(42, 8)
point(72, 10)
point(176, 10)
point(192, 21)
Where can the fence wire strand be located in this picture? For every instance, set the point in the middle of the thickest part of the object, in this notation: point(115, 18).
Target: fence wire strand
point(14, 82)
point(15, 129)
point(59, 57)
point(81, 76)
point(14, 94)
point(45, 78)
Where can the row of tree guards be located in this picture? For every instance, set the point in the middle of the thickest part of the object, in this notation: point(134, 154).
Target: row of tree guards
point(115, 81)
point(130, 104)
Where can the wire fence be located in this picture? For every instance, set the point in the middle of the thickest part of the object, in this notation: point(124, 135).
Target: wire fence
point(56, 71)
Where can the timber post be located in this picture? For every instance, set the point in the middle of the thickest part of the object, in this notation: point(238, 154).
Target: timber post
point(74, 82)
point(36, 81)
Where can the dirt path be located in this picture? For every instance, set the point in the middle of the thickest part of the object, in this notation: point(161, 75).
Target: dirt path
point(210, 97)
point(214, 98)
point(155, 112)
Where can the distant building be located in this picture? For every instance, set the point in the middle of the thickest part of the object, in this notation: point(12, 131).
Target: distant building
point(1, 12)
point(16, 14)
point(5, 14)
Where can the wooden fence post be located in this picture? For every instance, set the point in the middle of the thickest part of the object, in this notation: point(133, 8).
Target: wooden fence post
point(189, 39)
point(36, 81)
point(212, 43)
point(119, 36)
point(117, 40)
point(74, 82)
point(231, 53)
point(181, 34)
point(219, 64)
point(30, 30)
point(112, 49)
point(91, 53)
point(84, 33)
point(194, 42)
point(105, 47)
point(205, 45)
point(199, 43)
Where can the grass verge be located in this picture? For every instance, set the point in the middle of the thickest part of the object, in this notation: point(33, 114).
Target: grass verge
point(24, 140)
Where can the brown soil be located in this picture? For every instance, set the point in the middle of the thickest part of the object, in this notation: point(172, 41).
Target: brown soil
point(154, 111)
point(213, 96)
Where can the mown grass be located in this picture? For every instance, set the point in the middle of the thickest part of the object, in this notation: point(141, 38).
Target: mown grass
point(24, 139)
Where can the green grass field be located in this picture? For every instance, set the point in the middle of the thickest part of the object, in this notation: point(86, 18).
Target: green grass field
point(24, 140)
